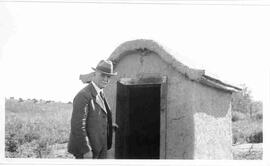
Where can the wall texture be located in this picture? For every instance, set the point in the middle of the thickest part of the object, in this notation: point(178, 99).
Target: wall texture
point(179, 123)
point(198, 117)
point(212, 123)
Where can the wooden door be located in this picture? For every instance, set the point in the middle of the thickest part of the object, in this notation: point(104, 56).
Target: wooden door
point(122, 114)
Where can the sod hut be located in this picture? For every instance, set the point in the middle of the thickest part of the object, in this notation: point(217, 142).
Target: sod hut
point(164, 109)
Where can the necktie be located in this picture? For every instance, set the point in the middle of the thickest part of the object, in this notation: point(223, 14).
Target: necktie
point(103, 99)
point(101, 95)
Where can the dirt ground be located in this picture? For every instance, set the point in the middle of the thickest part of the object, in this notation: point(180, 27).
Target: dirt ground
point(240, 152)
point(248, 152)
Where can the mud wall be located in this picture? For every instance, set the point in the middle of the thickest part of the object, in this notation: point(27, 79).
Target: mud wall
point(198, 117)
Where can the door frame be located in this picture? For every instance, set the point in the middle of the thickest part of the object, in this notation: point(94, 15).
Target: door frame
point(153, 78)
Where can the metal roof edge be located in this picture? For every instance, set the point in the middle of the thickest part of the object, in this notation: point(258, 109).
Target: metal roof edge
point(212, 82)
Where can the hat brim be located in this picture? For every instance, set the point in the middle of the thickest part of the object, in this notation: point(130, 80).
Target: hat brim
point(110, 74)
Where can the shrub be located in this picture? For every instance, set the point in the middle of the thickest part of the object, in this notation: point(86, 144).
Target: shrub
point(256, 137)
point(238, 138)
point(29, 137)
point(11, 143)
point(247, 131)
point(32, 128)
point(236, 116)
point(259, 116)
point(235, 139)
point(35, 100)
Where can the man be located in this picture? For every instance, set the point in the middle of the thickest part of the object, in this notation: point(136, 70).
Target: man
point(91, 121)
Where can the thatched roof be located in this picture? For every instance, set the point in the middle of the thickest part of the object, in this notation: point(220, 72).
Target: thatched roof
point(150, 45)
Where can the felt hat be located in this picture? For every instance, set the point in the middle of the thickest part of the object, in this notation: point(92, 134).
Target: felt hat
point(105, 67)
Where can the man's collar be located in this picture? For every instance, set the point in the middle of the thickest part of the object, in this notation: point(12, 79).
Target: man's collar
point(96, 87)
point(99, 98)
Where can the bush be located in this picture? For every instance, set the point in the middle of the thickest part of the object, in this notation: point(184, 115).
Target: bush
point(11, 143)
point(256, 137)
point(34, 149)
point(238, 138)
point(247, 131)
point(27, 143)
point(236, 116)
point(29, 137)
point(32, 128)
point(259, 116)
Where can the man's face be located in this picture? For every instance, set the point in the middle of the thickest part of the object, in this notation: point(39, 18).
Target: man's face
point(101, 79)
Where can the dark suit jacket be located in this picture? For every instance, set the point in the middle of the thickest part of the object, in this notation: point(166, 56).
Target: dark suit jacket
point(91, 126)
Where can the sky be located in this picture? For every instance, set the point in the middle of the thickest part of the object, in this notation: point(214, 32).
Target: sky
point(46, 46)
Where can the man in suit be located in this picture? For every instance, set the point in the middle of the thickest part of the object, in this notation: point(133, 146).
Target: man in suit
point(91, 121)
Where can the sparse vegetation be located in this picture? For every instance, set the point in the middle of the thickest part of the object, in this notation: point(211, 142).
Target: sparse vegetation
point(40, 129)
point(245, 130)
point(248, 152)
point(247, 118)
point(32, 128)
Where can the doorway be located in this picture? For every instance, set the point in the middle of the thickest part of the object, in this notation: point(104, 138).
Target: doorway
point(139, 116)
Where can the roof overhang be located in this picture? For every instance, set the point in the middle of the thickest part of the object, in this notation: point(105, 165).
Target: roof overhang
point(215, 83)
point(150, 45)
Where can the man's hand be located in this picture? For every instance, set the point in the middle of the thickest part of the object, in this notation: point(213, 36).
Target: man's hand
point(88, 155)
point(115, 127)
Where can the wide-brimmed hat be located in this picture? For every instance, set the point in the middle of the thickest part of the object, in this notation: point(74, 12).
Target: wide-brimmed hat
point(106, 67)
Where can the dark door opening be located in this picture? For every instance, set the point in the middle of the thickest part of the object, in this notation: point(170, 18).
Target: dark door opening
point(138, 116)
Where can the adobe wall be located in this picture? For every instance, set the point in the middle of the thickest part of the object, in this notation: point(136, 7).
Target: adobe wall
point(179, 116)
point(212, 123)
point(194, 129)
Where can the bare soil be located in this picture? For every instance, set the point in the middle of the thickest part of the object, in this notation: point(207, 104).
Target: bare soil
point(248, 152)
point(240, 152)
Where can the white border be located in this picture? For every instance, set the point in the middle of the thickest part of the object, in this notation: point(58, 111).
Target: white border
point(266, 100)
point(172, 2)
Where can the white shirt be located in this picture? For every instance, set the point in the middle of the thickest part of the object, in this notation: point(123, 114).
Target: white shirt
point(97, 88)
point(98, 94)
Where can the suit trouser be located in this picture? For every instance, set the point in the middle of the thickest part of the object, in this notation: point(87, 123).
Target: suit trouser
point(78, 156)
point(102, 154)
